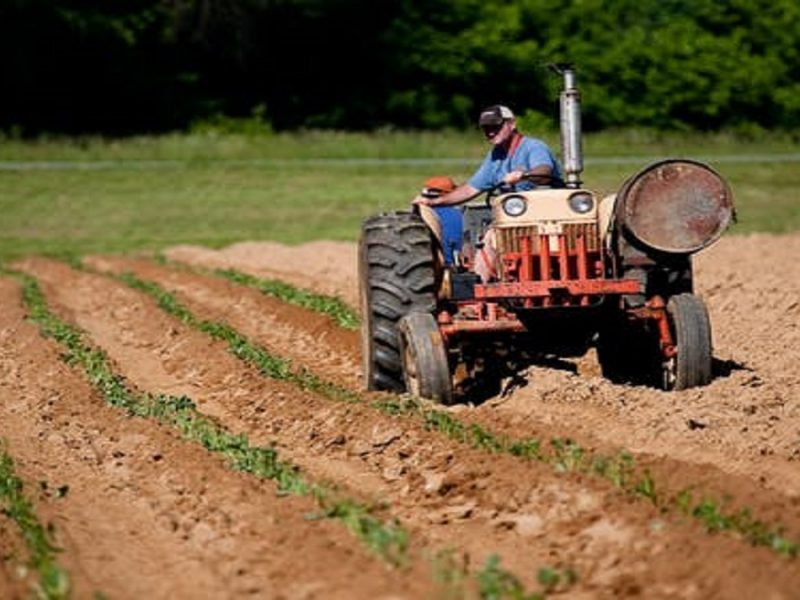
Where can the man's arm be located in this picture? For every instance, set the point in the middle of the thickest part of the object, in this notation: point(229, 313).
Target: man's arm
point(458, 196)
point(539, 170)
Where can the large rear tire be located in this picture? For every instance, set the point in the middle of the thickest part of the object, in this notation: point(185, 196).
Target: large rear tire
point(691, 329)
point(396, 278)
point(426, 369)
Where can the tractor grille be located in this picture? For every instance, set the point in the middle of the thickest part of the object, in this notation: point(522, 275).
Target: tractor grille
point(509, 238)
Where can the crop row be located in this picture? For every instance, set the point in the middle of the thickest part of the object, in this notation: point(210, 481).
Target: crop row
point(53, 580)
point(386, 538)
point(334, 308)
point(564, 455)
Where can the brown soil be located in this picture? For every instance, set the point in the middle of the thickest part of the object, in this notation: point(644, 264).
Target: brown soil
point(447, 495)
point(747, 422)
point(327, 267)
point(15, 580)
point(149, 515)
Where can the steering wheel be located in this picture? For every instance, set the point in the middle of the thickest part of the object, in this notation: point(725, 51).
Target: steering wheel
point(543, 179)
point(538, 179)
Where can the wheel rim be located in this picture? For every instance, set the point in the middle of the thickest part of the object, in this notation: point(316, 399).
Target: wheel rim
point(669, 373)
point(410, 367)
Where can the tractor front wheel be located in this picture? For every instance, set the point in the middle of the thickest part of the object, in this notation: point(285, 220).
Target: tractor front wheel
point(691, 331)
point(426, 368)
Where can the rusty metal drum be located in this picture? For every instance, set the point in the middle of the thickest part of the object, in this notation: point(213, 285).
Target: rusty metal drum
point(675, 206)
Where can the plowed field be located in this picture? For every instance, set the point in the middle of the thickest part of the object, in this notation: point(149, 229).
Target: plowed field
point(709, 506)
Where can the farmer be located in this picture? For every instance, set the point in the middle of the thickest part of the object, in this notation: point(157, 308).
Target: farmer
point(511, 155)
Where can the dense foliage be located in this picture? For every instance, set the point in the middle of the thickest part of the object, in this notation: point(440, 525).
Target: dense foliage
point(147, 65)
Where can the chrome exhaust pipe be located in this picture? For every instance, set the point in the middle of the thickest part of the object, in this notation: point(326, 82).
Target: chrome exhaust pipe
point(570, 118)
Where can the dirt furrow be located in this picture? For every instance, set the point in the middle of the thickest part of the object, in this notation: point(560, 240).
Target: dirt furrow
point(145, 514)
point(219, 300)
point(464, 498)
point(307, 338)
point(747, 422)
point(326, 267)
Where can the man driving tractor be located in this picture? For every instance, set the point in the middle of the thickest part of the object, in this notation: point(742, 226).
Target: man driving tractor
point(515, 161)
point(574, 269)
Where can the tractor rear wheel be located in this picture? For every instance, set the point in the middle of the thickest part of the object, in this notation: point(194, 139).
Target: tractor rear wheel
point(691, 330)
point(425, 365)
point(396, 278)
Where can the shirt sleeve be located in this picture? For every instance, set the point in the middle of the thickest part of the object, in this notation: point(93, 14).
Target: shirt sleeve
point(483, 178)
point(533, 153)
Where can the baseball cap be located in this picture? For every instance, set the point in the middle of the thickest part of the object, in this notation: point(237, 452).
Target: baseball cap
point(495, 115)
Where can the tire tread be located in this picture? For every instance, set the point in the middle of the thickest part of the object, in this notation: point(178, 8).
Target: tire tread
point(396, 275)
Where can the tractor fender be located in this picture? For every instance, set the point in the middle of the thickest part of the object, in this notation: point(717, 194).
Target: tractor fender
point(447, 225)
point(605, 217)
point(428, 216)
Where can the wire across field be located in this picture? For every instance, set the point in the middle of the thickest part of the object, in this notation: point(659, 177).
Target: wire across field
point(146, 194)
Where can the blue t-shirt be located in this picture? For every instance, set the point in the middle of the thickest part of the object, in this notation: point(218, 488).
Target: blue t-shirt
point(529, 153)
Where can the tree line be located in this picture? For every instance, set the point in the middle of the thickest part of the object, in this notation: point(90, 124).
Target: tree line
point(129, 66)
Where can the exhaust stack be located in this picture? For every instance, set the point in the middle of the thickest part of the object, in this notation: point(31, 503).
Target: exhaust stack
point(571, 145)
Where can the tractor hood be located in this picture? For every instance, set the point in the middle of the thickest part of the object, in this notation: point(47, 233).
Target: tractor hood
point(536, 207)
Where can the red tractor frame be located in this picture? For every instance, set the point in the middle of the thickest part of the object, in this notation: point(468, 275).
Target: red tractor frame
point(573, 271)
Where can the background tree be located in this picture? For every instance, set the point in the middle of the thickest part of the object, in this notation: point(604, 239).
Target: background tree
point(127, 66)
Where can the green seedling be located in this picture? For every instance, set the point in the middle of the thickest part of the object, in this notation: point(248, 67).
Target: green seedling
point(269, 365)
point(555, 580)
point(389, 540)
point(331, 306)
point(495, 583)
point(53, 581)
point(386, 539)
point(564, 456)
point(334, 307)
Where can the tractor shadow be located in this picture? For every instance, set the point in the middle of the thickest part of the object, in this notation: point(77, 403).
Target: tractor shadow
point(721, 369)
point(507, 379)
point(510, 379)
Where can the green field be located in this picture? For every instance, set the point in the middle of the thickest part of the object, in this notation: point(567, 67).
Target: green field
point(93, 195)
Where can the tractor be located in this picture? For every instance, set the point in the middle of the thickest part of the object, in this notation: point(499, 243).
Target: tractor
point(574, 270)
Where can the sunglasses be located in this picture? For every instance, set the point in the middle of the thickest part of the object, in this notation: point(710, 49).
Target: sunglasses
point(491, 130)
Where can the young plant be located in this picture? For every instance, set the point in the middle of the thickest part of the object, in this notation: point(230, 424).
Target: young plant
point(389, 540)
point(54, 583)
point(564, 455)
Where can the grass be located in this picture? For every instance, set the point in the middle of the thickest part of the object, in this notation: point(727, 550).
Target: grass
point(290, 188)
point(53, 581)
point(563, 455)
point(211, 145)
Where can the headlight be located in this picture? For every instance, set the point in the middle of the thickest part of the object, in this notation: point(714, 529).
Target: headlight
point(514, 206)
point(581, 202)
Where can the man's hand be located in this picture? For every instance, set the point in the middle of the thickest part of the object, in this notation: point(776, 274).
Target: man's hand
point(420, 199)
point(461, 194)
point(513, 177)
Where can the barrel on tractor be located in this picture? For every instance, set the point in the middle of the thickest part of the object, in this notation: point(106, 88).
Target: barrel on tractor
point(573, 270)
